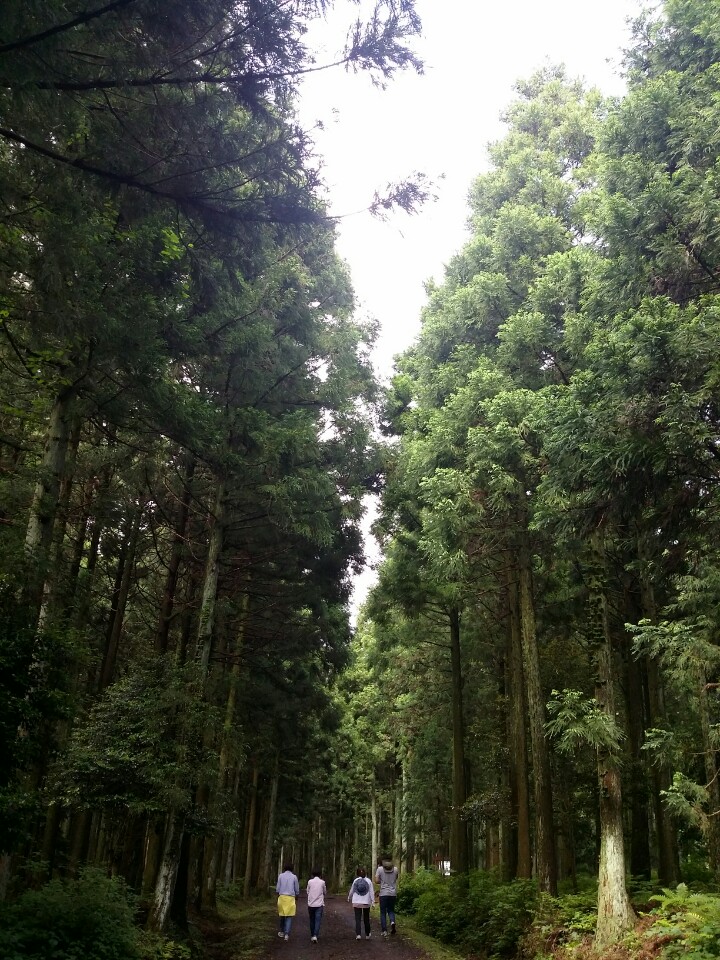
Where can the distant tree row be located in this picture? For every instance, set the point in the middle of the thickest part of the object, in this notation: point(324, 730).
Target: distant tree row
point(546, 617)
point(185, 438)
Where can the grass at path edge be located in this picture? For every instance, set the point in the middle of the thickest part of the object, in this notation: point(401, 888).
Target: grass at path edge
point(434, 950)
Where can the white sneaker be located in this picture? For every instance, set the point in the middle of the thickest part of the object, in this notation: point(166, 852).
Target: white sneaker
point(286, 938)
point(384, 933)
point(367, 936)
point(358, 937)
point(313, 939)
point(280, 933)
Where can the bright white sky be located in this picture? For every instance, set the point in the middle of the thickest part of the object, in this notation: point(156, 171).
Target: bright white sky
point(439, 123)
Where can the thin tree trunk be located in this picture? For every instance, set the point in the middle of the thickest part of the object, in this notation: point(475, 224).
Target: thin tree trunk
point(126, 566)
point(521, 866)
point(265, 876)
point(616, 916)
point(712, 775)
point(458, 824)
point(177, 550)
point(660, 780)
point(250, 847)
point(208, 604)
point(167, 873)
point(544, 830)
point(44, 506)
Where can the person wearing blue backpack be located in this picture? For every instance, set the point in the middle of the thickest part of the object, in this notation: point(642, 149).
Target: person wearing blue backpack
point(362, 895)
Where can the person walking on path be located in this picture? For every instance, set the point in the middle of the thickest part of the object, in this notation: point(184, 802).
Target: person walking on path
point(316, 892)
point(363, 897)
point(287, 889)
point(386, 876)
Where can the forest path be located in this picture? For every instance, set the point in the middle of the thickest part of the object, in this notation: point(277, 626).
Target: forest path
point(336, 942)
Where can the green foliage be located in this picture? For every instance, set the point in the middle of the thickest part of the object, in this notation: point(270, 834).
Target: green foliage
point(91, 917)
point(694, 918)
point(578, 722)
point(477, 912)
point(140, 746)
point(151, 946)
point(414, 885)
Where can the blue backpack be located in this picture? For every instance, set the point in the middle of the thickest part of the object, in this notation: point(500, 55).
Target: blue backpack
point(361, 886)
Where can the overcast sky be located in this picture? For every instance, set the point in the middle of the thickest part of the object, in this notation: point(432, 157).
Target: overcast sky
point(439, 123)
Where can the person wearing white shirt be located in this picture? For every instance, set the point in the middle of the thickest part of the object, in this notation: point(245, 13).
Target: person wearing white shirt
point(316, 893)
point(362, 895)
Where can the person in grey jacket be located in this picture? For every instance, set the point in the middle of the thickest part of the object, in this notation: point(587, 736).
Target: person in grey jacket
point(386, 876)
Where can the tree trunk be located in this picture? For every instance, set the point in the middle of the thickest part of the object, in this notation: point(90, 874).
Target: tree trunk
point(544, 831)
point(167, 873)
point(250, 847)
point(521, 843)
point(712, 775)
point(208, 604)
point(126, 568)
point(44, 506)
point(177, 550)
point(265, 877)
point(660, 780)
point(458, 824)
point(616, 916)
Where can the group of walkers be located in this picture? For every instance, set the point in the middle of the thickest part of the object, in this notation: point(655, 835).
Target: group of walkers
point(361, 894)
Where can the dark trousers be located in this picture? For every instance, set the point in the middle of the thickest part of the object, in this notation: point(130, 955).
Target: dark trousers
point(387, 909)
point(315, 917)
point(362, 913)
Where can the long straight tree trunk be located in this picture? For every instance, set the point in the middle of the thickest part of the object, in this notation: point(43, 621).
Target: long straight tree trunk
point(127, 567)
point(177, 550)
point(44, 506)
point(615, 913)
point(266, 865)
point(250, 846)
point(712, 775)
point(521, 866)
point(209, 881)
point(667, 841)
point(167, 873)
point(544, 830)
point(458, 824)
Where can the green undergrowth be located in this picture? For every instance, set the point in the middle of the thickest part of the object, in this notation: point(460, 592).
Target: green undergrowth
point(250, 921)
point(90, 918)
point(482, 917)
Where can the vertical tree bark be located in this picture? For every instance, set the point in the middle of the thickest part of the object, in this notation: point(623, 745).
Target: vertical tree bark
point(712, 775)
point(250, 846)
point(639, 797)
point(53, 579)
point(208, 604)
point(126, 567)
point(177, 550)
point(667, 841)
point(544, 830)
point(167, 873)
point(615, 913)
point(521, 844)
point(44, 506)
point(265, 871)
point(458, 824)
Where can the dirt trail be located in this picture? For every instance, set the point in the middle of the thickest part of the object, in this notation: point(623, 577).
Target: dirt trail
point(337, 941)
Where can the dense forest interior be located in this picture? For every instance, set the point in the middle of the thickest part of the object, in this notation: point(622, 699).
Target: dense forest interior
point(190, 422)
